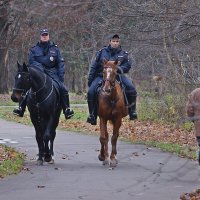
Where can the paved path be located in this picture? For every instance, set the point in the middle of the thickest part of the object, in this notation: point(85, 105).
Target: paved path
point(142, 173)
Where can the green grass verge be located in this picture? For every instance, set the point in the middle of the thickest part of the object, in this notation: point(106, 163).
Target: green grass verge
point(182, 151)
point(13, 164)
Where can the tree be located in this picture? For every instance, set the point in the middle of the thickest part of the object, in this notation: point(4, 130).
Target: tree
point(4, 25)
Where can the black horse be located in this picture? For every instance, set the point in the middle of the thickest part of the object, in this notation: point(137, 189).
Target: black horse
point(43, 104)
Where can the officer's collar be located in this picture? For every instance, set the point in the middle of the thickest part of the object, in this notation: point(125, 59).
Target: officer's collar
point(114, 49)
point(43, 44)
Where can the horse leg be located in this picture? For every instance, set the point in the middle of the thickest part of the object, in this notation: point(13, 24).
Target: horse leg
point(47, 138)
point(47, 155)
point(102, 139)
point(40, 143)
point(116, 125)
point(106, 161)
point(53, 135)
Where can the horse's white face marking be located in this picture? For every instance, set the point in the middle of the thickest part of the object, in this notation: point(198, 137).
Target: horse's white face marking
point(19, 76)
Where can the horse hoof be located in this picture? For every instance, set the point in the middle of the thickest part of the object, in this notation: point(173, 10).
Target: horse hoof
point(106, 162)
point(101, 158)
point(52, 161)
point(40, 162)
point(47, 158)
point(113, 163)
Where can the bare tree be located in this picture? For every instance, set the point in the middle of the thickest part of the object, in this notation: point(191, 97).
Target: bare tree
point(4, 25)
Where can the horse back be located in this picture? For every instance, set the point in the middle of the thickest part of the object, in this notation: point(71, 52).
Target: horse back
point(49, 107)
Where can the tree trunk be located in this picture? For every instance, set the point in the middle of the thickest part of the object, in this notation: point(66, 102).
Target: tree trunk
point(3, 48)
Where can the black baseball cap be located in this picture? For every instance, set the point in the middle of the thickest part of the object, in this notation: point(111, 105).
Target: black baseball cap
point(112, 36)
point(44, 31)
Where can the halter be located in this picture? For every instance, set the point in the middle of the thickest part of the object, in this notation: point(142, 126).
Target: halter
point(112, 83)
point(20, 89)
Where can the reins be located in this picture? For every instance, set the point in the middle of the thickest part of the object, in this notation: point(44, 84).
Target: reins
point(38, 103)
point(35, 93)
point(111, 83)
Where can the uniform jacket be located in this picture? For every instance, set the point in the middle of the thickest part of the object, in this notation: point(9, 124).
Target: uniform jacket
point(48, 59)
point(108, 53)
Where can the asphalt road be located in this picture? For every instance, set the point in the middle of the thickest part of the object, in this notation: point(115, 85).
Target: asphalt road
point(142, 173)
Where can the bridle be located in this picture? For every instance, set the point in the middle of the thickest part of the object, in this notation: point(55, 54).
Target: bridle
point(23, 90)
point(112, 83)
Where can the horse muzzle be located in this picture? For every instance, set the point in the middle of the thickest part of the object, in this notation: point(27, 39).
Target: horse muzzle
point(15, 97)
point(108, 91)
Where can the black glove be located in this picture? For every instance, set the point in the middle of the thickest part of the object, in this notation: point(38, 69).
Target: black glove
point(89, 83)
point(119, 70)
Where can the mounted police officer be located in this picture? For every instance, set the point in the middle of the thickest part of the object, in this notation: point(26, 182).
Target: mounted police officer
point(112, 52)
point(45, 56)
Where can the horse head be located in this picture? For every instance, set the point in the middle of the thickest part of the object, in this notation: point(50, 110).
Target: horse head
point(109, 75)
point(22, 82)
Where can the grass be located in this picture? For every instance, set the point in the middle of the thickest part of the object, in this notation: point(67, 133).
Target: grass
point(13, 162)
point(174, 148)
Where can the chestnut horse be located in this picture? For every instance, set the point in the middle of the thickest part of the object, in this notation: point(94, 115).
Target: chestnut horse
point(111, 107)
point(193, 112)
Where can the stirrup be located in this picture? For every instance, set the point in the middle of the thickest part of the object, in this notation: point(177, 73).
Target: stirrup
point(68, 113)
point(132, 116)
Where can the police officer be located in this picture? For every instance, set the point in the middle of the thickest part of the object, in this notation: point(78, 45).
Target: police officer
point(112, 52)
point(46, 57)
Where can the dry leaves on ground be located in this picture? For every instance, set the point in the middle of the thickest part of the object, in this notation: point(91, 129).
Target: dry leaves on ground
point(140, 131)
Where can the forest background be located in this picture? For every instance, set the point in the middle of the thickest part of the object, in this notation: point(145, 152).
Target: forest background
point(161, 37)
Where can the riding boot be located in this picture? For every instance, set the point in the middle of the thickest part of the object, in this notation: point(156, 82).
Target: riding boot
point(66, 108)
point(92, 119)
point(132, 107)
point(22, 106)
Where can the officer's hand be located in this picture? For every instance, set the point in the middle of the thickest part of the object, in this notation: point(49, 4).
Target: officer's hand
point(89, 83)
point(119, 70)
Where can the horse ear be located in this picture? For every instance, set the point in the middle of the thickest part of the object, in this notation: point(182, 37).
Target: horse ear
point(18, 64)
point(25, 67)
point(116, 62)
point(104, 61)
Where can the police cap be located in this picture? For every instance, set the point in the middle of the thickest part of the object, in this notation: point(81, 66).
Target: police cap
point(44, 31)
point(112, 36)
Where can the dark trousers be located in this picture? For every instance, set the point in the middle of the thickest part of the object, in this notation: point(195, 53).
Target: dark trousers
point(129, 87)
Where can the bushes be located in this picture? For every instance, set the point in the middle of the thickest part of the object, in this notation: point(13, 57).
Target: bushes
point(168, 108)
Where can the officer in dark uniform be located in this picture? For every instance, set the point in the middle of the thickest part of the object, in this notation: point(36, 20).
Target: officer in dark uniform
point(112, 52)
point(46, 57)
